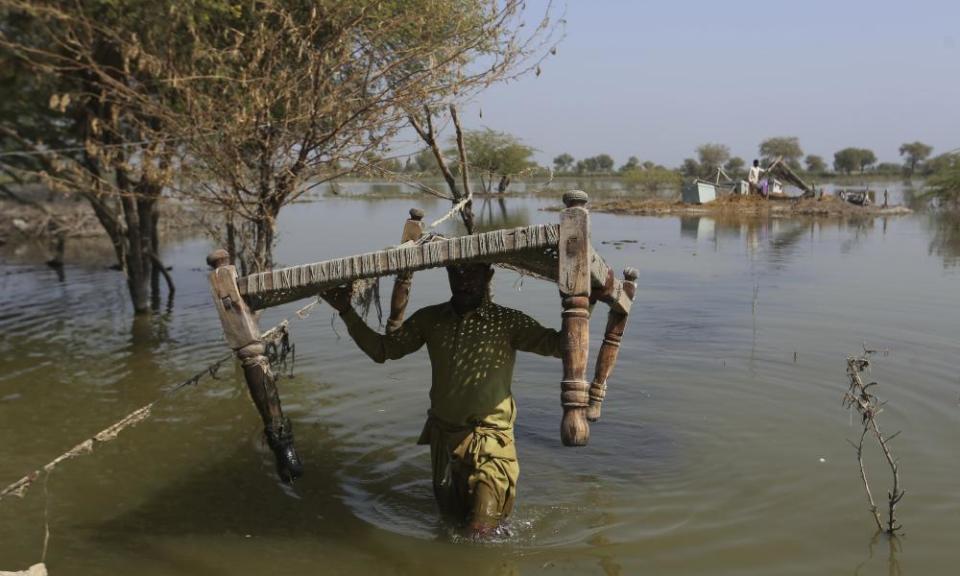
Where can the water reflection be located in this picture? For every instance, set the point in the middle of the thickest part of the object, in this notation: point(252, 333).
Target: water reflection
point(894, 547)
point(898, 192)
point(945, 237)
point(492, 213)
point(857, 230)
point(540, 187)
point(698, 228)
point(913, 198)
point(776, 239)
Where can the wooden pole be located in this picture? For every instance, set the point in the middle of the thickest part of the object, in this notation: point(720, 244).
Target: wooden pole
point(243, 336)
point(574, 283)
point(607, 357)
point(412, 230)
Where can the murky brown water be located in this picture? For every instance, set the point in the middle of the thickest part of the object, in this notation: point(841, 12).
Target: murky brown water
point(722, 449)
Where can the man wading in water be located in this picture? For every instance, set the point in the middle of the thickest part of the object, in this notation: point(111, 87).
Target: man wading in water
point(472, 344)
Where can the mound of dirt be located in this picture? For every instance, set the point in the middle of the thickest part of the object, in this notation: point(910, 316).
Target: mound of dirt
point(747, 206)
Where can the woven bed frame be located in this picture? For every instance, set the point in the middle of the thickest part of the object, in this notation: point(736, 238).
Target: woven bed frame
point(561, 253)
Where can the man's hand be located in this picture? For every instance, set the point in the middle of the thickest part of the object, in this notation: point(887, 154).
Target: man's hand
point(339, 297)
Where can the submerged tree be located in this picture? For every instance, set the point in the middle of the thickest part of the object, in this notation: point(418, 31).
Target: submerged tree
point(493, 155)
point(850, 159)
point(944, 184)
point(690, 168)
point(787, 147)
point(83, 110)
point(300, 91)
point(867, 158)
point(601, 163)
point(815, 164)
point(653, 179)
point(632, 163)
point(253, 104)
point(712, 156)
point(423, 162)
point(734, 167)
point(915, 152)
point(563, 162)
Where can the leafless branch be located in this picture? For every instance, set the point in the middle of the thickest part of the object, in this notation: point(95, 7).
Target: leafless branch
point(868, 407)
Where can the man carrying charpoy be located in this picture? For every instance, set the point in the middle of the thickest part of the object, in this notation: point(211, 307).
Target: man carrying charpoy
point(472, 344)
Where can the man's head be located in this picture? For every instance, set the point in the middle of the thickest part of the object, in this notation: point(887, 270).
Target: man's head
point(756, 162)
point(469, 284)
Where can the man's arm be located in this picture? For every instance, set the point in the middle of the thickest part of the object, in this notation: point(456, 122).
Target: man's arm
point(529, 336)
point(380, 348)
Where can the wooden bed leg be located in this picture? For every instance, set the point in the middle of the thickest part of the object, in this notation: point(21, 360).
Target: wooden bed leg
point(243, 336)
point(412, 230)
point(607, 357)
point(574, 283)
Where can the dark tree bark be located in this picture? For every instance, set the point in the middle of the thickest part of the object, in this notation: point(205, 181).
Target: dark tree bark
point(503, 185)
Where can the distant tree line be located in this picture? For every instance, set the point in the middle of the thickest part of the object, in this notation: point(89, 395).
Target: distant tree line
point(499, 157)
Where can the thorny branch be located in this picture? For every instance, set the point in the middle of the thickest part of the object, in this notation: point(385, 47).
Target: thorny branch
point(858, 397)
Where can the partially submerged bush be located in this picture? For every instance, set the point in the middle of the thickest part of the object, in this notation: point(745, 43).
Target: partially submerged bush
point(653, 179)
point(944, 184)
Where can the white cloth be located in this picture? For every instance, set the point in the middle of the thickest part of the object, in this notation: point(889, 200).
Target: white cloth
point(753, 176)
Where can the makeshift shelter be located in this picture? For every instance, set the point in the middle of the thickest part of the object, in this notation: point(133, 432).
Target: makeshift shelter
point(782, 170)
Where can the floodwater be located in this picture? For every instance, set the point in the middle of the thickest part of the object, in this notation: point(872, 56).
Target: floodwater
point(722, 449)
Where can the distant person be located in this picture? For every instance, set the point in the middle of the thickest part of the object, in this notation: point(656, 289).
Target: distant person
point(757, 186)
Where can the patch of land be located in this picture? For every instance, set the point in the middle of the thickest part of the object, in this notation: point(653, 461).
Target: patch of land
point(746, 206)
point(75, 219)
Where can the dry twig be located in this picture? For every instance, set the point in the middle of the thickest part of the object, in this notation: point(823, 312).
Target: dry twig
point(859, 397)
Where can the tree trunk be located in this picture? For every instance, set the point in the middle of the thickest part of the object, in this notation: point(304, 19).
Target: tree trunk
point(503, 185)
point(231, 237)
point(155, 250)
point(134, 266)
point(467, 215)
point(145, 212)
point(264, 230)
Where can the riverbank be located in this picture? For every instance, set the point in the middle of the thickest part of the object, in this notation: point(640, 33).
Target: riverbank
point(33, 221)
point(746, 206)
point(20, 221)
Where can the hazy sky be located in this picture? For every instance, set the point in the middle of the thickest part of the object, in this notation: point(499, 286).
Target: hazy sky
point(657, 79)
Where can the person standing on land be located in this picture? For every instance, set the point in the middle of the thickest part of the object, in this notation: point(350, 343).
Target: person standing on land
point(753, 179)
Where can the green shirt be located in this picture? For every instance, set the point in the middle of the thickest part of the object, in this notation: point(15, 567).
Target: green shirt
point(472, 357)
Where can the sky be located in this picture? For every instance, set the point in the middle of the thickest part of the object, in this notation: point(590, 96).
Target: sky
point(657, 79)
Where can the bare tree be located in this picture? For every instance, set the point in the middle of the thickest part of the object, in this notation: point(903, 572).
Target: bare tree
point(424, 126)
point(301, 92)
point(859, 398)
point(251, 105)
